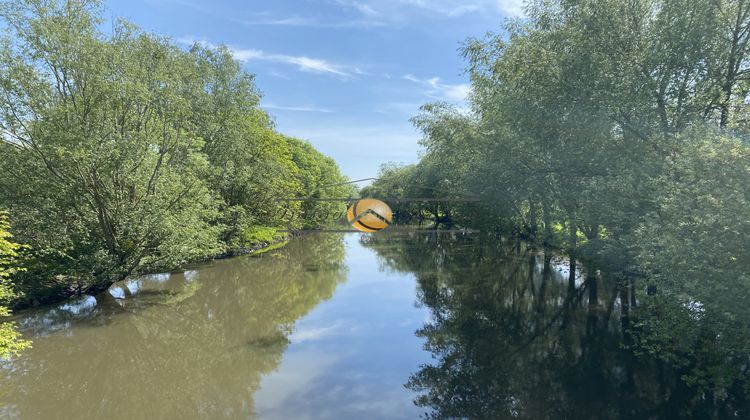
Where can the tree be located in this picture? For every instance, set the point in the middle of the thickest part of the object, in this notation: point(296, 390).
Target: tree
point(11, 342)
point(101, 134)
point(124, 153)
point(318, 177)
point(624, 125)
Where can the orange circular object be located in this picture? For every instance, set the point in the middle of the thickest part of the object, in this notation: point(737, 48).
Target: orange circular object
point(369, 215)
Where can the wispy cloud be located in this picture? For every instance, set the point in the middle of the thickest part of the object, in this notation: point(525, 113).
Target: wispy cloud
point(512, 7)
point(445, 8)
point(442, 91)
point(361, 6)
point(314, 334)
point(369, 13)
point(298, 108)
point(303, 63)
point(378, 13)
point(310, 22)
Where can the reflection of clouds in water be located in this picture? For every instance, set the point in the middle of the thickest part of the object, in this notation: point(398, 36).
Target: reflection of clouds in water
point(343, 360)
point(157, 278)
point(312, 334)
point(314, 383)
point(190, 275)
point(84, 303)
point(294, 378)
point(562, 266)
point(58, 318)
point(10, 411)
point(133, 286)
point(351, 359)
point(157, 281)
point(116, 292)
point(43, 321)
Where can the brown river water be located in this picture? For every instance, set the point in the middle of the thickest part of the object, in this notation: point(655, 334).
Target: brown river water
point(341, 326)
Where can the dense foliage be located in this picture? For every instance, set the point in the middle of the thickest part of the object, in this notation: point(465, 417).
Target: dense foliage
point(10, 340)
point(123, 153)
point(618, 129)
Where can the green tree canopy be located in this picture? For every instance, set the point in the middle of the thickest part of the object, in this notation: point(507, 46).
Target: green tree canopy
point(124, 153)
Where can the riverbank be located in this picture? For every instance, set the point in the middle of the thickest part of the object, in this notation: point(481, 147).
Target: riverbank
point(66, 290)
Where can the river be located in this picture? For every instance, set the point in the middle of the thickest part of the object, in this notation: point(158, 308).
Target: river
point(344, 326)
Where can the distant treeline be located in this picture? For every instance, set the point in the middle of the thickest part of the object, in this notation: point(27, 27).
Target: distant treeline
point(617, 129)
point(123, 153)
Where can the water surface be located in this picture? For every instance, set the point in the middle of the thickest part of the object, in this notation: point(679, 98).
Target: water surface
point(349, 326)
point(312, 330)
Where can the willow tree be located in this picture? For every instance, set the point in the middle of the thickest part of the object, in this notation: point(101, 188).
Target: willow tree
point(123, 152)
point(626, 121)
point(102, 158)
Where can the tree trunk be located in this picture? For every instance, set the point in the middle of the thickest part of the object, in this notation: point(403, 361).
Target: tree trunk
point(546, 214)
point(572, 230)
point(572, 272)
point(532, 219)
point(546, 275)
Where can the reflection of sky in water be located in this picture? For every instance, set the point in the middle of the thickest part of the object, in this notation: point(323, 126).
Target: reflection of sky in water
point(353, 353)
point(117, 292)
point(60, 316)
point(172, 346)
point(158, 281)
point(158, 278)
point(83, 304)
point(133, 286)
point(190, 275)
point(562, 267)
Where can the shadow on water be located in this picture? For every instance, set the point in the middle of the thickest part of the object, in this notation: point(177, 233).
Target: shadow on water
point(515, 334)
point(182, 345)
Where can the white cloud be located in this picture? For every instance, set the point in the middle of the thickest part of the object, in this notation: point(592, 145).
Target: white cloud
point(314, 334)
point(395, 9)
point(297, 108)
point(361, 6)
point(303, 63)
point(315, 65)
point(309, 64)
point(442, 91)
point(285, 21)
point(296, 374)
point(247, 54)
point(373, 13)
point(447, 7)
point(512, 7)
point(310, 22)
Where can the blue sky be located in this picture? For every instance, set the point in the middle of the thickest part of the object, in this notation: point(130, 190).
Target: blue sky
point(344, 74)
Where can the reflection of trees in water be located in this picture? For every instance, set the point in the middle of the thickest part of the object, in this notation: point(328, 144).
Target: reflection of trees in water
point(199, 352)
point(514, 336)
